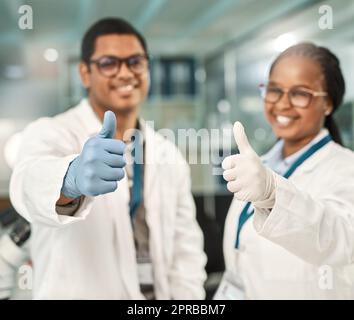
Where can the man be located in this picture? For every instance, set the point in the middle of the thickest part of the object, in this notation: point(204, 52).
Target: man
point(100, 231)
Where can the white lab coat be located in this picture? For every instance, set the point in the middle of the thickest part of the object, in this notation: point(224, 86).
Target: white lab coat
point(303, 249)
point(91, 255)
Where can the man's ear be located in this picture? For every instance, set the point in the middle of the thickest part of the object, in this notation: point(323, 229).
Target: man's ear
point(84, 74)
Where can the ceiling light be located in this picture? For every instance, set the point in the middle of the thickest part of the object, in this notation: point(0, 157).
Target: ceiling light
point(51, 54)
point(284, 41)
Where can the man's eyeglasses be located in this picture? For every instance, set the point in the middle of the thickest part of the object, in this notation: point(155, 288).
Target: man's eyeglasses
point(299, 97)
point(109, 66)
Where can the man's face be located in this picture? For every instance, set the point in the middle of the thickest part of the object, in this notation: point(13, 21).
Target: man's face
point(124, 91)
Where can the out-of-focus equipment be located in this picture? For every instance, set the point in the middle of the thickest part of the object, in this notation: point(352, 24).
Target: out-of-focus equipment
point(12, 251)
point(14, 232)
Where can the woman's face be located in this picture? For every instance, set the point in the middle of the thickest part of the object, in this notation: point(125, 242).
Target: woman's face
point(297, 124)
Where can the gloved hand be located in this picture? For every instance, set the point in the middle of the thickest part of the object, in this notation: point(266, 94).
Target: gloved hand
point(99, 166)
point(247, 177)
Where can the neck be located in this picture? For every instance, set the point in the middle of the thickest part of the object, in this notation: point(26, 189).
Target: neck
point(292, 146)
point(125, 120)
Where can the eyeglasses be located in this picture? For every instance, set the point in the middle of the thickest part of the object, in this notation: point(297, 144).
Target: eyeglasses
point(109, 66)
point(299, 97)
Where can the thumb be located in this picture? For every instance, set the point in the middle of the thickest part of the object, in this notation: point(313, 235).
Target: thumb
point(109, 125)
point(241, 139)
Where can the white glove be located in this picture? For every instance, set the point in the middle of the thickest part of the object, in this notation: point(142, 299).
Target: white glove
point(247, 177)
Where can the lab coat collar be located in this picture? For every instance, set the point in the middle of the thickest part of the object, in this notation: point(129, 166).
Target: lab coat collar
point(90, 120)
point(275, 151)
point(93, 123)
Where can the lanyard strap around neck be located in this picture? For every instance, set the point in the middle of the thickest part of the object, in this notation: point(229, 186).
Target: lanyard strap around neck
point(136, 194)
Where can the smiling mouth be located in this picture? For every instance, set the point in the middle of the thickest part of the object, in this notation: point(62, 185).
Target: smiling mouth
point(125, 89)
point(284, 121)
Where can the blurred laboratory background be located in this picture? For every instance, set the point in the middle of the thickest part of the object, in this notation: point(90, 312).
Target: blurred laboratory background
point(209, 56)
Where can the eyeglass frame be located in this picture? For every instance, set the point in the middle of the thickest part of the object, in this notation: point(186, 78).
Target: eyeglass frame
point(148, 58)
point(313, 94)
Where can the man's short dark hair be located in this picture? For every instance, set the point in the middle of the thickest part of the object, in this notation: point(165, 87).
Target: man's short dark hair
point(104, 27)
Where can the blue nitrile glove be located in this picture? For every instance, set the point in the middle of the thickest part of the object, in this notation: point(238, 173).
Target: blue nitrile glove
point(99, 166)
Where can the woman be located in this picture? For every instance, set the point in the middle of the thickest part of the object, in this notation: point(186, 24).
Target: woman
point(289, 233)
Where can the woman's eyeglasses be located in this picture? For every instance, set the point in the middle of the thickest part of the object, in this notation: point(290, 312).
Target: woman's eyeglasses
point(109, 66)
point(299, 97)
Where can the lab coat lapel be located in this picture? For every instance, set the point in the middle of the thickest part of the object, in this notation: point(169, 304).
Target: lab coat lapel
point(152, 156)
point(152, 200)
point(90, 120)
point(119, 206)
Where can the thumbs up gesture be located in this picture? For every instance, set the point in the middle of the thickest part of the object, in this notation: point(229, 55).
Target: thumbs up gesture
point(247, 177)
point(99, 166)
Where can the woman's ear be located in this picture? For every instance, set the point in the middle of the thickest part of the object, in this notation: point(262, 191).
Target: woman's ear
point(328, 108)
point(84, 75)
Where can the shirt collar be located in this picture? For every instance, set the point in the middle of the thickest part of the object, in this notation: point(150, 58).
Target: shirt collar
point(275, 153)
point(94, 124)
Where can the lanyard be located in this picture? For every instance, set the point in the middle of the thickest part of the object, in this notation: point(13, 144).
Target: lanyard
point(246, 213)
point(136, 194)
